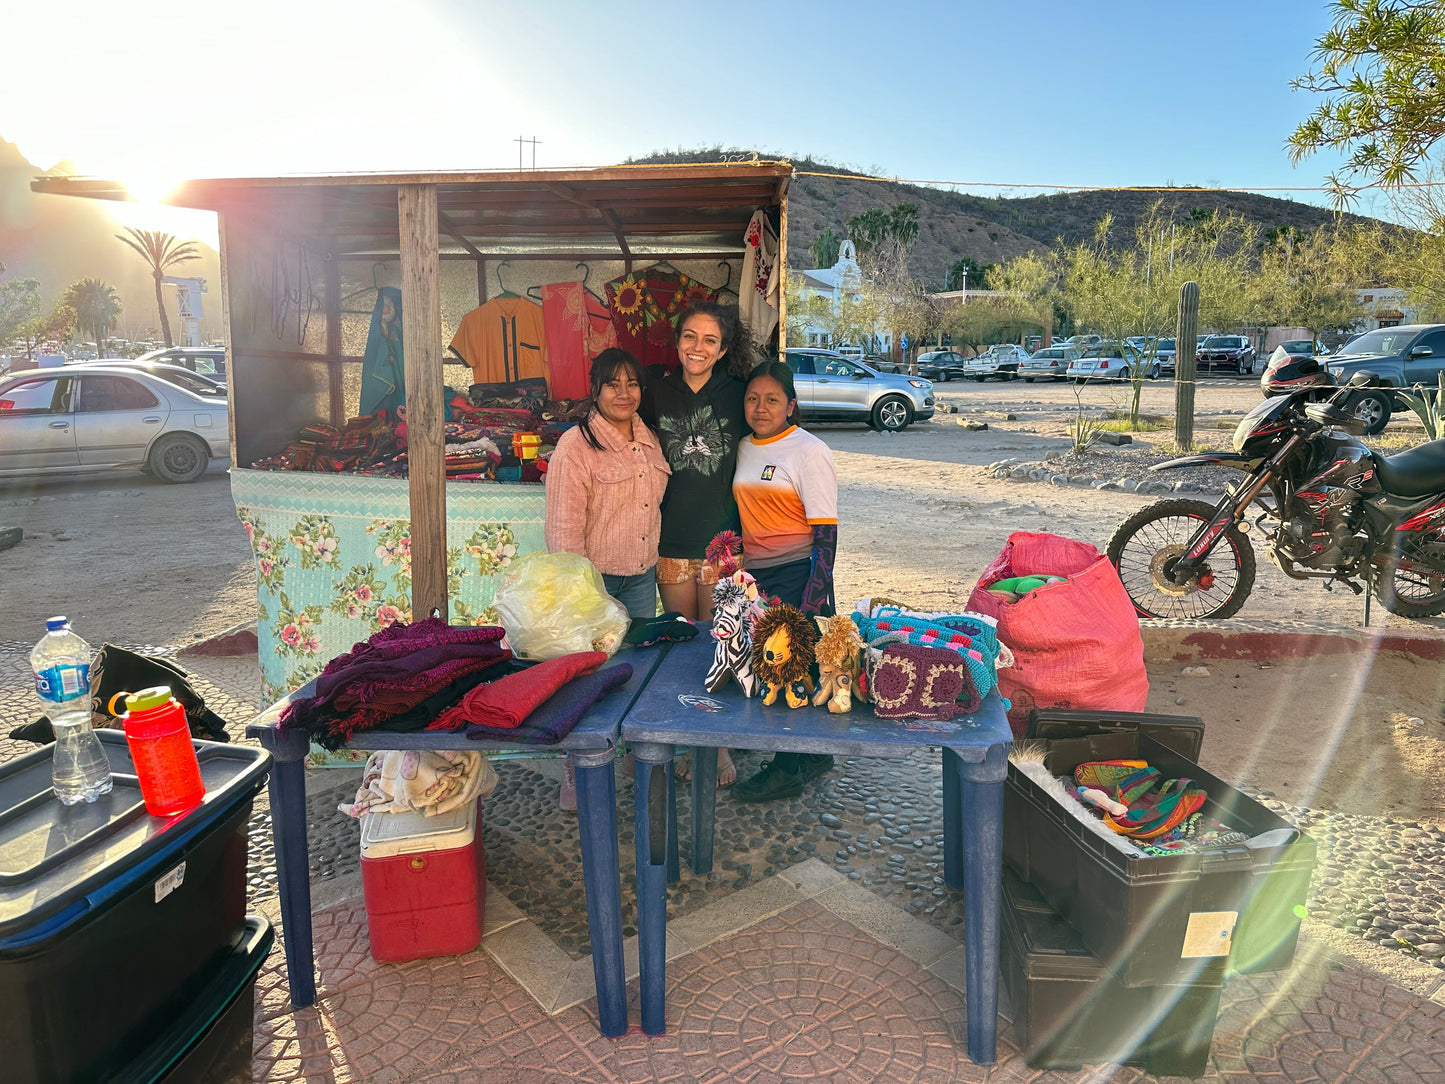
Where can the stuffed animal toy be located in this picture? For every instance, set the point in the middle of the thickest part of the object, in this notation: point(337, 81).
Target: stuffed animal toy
point(783, 642)
point(839, 652)
point(733, 656)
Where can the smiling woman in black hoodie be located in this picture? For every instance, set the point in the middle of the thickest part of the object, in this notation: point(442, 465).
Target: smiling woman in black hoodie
point(696, 410)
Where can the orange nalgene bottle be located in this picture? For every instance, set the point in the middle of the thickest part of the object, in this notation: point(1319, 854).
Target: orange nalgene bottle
point(160, 744)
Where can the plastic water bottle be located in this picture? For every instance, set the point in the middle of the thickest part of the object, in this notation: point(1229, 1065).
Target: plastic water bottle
point(61, 664)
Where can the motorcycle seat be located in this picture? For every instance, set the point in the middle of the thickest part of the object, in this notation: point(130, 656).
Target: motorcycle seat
point(1416, 472)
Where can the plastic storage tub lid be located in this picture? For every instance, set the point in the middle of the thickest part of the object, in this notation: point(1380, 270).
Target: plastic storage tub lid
point(386, 834)
point(52, 856)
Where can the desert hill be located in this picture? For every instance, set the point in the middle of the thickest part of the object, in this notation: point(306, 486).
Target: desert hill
point(955, 225)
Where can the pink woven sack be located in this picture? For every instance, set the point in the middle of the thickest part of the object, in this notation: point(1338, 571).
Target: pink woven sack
point(1076, 644)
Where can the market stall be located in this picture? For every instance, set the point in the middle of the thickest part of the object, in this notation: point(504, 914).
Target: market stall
point(364, 313)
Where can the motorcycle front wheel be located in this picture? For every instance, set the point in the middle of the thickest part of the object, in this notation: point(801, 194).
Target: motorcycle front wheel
point(1145, 546)
point(1411, 582)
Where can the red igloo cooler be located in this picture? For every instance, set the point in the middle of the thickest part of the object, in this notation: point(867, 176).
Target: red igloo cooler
point(425, 883)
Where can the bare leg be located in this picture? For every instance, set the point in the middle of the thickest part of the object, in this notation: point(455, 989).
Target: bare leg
point(680, 598)
point(727, 774)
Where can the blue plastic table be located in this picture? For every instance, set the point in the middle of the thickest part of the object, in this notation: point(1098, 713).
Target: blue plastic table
point(593, 743)
point(675, 710)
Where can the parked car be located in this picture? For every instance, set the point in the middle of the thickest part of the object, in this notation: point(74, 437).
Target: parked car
point(1009, 358)
point(882, 364)
point(1112, 361)
point(1233, 353)
point(831, 387)
point(941, 365)
point(1048, 362)
point(95, 417)
point(206, 360)
point(1086, 342)
point(203, 386)
point(1285, 371)
point(1164, 354)
point(1401, 356)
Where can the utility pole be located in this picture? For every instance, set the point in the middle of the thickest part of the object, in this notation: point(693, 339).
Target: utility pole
point(519, 141)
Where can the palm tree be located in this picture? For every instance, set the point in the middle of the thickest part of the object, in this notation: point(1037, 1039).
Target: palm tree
point(162, 252)
point(96, 308)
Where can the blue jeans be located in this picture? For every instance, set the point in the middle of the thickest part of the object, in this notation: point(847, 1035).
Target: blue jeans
point(638, 593)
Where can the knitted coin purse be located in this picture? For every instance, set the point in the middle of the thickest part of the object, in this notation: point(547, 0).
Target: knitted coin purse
point(914, 682)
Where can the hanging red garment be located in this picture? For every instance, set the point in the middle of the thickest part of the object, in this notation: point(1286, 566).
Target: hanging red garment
point(575, 335)
point(627, 298)
point(645, 308)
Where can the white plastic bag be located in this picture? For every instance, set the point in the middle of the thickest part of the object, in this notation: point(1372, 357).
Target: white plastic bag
point(555, 604)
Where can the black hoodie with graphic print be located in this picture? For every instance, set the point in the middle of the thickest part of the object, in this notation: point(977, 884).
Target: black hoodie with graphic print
point(699, 433)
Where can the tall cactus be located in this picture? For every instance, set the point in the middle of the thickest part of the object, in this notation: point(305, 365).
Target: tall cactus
point(1185, 365)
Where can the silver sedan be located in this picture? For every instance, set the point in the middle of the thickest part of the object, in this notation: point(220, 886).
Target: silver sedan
point(89, 417)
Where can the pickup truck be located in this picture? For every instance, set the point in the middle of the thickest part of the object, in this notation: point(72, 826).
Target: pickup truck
point(1401, 356)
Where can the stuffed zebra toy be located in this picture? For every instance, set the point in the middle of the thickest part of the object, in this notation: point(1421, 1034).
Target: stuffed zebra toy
point(733, 656)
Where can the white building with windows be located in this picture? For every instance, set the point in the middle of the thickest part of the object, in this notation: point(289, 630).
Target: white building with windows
point(843, 280)
point(1384, 306)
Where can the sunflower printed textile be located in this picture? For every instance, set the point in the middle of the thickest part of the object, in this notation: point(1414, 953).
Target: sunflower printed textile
point(646, 306)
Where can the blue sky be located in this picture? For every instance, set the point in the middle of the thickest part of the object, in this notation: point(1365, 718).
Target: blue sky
point(1031, 92)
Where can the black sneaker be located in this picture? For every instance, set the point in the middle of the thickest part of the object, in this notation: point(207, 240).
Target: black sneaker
point(770, 784)
point(814, 766)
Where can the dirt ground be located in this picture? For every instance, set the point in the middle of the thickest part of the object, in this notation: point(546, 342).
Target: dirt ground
point(133, 560)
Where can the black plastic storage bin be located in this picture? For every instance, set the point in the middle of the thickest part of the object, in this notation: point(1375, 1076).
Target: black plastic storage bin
point(1182, 733)
point(211, 1041)
point(1155, 919)
point(1069, 1010)
point(111, 920)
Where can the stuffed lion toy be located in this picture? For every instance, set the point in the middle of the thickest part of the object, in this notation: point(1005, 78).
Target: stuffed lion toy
point(783, 642)
point(838, 652)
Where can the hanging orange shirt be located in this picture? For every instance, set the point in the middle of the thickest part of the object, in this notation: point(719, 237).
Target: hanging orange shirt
point(503, 340)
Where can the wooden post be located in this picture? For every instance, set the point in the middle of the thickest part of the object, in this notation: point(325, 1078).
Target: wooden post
point(1185, 365)
point(782, 275)
point(223, 224)
point(425, 439)
point(336, 392)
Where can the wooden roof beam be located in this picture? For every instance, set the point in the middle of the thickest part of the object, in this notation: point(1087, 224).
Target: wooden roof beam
point(456, 235)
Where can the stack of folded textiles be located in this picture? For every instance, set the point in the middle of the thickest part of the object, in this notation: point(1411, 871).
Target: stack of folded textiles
point(390, 674)
point(435, 676)
point(478, 432)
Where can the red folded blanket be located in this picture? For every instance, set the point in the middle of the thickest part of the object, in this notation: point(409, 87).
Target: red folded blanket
point(509, 700)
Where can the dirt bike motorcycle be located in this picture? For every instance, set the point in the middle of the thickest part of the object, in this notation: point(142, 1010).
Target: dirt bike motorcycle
point(1329, 509)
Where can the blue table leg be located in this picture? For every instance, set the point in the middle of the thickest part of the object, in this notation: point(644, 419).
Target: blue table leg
point(952, 820)
point(704, 806)
point(981, 793)
point(674, 864)
point(287, 788)
point(597, 828)
point(653, 762)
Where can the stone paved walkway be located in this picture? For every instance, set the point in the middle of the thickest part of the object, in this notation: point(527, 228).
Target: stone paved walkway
point(824, 956)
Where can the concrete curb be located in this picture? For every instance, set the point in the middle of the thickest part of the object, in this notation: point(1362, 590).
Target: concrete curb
point(1185, 641)
point(236, 640)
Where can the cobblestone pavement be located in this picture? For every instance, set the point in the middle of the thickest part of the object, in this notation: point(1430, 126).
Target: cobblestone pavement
point(772, 1001)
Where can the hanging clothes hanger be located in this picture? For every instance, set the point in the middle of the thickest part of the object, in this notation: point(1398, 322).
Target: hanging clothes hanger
point(374, 288)
point(725, 288)
point(537, 296)
point(587, 274)
point(505, 292)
